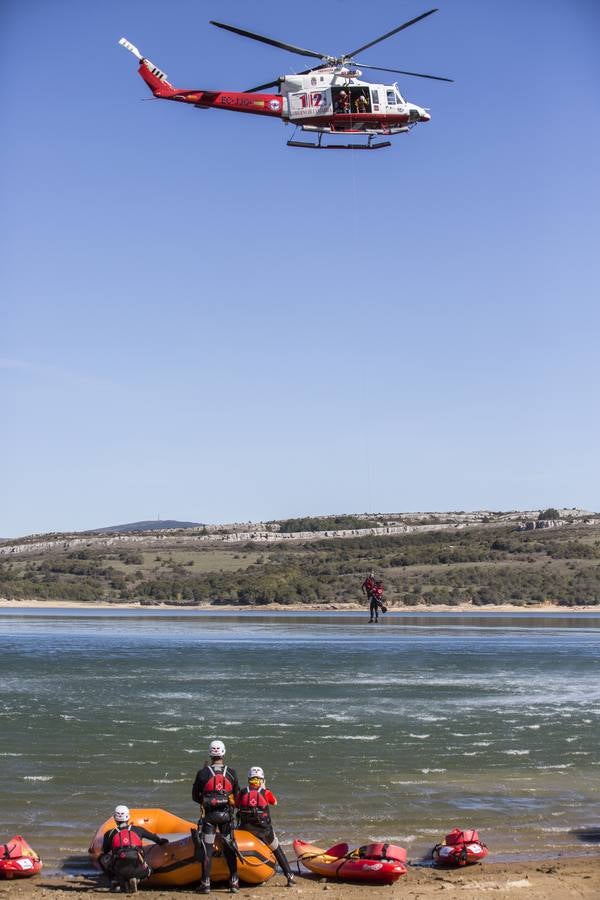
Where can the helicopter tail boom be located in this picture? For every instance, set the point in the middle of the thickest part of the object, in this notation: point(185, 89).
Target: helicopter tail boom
point(155, 79)
point(236, 101)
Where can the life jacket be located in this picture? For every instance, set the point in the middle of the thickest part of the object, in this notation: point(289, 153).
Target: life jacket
point(368, 585)
point(378, 590)
point(382, 851)
point(217, 790)
point(126, 858)
point(253, 806)
point(125, 839)
point(456, 836)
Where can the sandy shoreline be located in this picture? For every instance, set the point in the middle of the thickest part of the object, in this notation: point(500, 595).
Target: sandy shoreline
point(561, 879)
point(298, 607)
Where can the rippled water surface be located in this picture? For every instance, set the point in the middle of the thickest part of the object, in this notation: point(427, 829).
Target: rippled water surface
point(397, 731)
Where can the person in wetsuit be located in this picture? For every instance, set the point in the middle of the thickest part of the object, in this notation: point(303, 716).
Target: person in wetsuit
point(215, 788)
point(122, 854)
point(253, 803)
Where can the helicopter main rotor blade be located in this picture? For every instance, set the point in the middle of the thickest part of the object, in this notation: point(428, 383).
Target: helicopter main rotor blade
point(401, 72)
point(261, 87)
point(389, 34)
point(279, 81)
point(266, 40)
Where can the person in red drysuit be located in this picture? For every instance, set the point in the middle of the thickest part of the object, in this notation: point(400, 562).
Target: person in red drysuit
point(215, 789)
point(122, 855)
point(253, 804)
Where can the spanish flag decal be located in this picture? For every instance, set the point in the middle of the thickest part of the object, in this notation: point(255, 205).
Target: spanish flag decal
point(259, 102)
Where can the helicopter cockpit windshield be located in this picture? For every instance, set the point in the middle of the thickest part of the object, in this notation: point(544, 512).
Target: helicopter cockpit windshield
point(394, 97)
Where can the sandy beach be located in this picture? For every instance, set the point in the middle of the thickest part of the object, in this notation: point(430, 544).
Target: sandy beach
point(298, 607)
point(548, 880)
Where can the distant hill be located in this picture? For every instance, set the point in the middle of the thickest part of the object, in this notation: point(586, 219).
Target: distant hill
point(152, 525)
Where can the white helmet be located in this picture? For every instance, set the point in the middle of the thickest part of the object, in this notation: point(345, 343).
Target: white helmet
point(256, 772)
point(121, 814)
point(216, 749)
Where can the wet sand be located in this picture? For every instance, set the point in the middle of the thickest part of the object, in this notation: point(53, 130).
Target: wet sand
point(548, 880)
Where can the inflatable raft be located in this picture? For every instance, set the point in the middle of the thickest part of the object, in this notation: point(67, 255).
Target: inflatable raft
point(459, 848)
point(371, 864)
point(18, 859)
point(175, 863)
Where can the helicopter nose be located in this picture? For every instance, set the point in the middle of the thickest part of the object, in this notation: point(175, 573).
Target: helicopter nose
point(418, 114)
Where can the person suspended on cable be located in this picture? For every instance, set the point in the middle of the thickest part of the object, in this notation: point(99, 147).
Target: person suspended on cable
point(377, 598)
point(253, 803)
point(122, 855)
point(215, 788)
point(368, 584)
point(367, 587)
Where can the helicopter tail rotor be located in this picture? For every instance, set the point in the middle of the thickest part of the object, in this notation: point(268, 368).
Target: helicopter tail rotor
point(131, 47)
point(154, 77)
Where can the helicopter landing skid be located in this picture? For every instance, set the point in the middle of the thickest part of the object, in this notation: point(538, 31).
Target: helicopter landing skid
point(321, 146)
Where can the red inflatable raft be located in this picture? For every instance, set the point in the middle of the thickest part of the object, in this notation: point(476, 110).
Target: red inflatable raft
point(460, 848)
point(17, 859)
point(372, 864)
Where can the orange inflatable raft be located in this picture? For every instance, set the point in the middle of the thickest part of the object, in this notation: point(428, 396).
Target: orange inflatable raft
point(18, 859)
point(175, 863)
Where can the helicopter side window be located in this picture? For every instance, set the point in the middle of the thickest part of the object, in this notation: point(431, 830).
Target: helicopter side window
point(391, 98)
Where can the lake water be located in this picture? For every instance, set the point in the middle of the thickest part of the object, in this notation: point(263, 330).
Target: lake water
point(397, 731)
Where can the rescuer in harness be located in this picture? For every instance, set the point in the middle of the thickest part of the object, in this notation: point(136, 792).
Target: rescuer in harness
point(374, 591)
point(122, 856)
point(215, 789)
point(253, 803)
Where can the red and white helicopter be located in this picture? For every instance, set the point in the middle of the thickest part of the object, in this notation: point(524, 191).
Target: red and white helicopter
point(328, 99)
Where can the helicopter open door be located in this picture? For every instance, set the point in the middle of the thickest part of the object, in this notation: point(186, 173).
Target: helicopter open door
point(352, 99)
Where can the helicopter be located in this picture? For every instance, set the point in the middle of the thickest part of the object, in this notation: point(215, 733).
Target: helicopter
point(327, 99)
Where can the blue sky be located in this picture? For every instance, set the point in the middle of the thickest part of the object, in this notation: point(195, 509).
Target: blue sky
point(201, 323)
